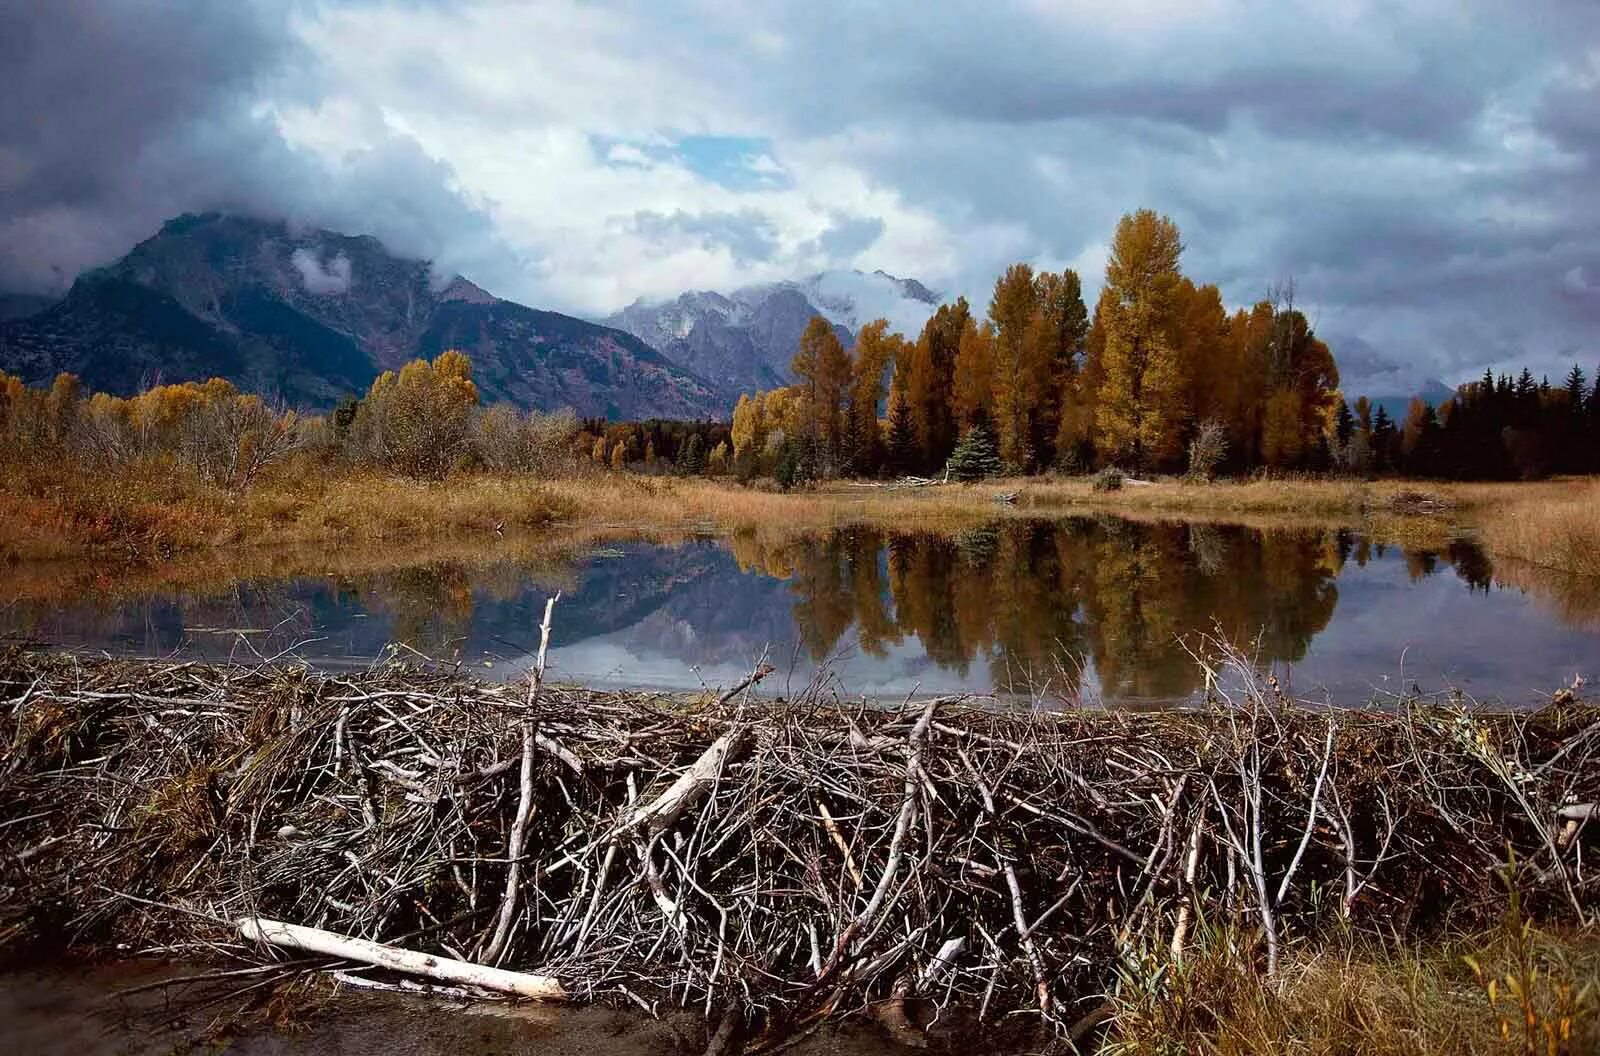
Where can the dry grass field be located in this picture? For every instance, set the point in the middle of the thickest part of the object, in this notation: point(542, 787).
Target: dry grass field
point(153, 514)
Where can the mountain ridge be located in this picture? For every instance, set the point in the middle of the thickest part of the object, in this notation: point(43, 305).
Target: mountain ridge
point(744, 339)
point(310, 315)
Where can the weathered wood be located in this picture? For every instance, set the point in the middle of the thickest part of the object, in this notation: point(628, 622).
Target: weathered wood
point(666, 808)
point(411, 962)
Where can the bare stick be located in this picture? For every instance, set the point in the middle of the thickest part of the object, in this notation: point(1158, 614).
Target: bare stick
point(908, 809)
point(1311, 813)
point(519, 826)
point(665, 809)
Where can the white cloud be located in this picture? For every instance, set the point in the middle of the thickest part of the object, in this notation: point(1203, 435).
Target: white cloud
point(319, 278)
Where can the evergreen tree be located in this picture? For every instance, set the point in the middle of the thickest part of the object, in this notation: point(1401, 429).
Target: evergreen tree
point(904, 454)
point(1383, 440)
point(1344, 425)
point(975, 456)
point(692, 459)
point(1577, 392)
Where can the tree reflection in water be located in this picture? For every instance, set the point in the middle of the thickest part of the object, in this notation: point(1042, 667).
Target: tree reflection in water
point(1080, 608)
point(1040, 600)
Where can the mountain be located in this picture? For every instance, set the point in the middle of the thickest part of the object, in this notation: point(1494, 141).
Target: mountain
point(1364, 371)
point(745, 339)
point(22, 305)
point(311, 315)
point(1398, 405)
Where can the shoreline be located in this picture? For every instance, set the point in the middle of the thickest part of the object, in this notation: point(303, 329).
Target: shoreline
point(784, 864)
point(151, 517)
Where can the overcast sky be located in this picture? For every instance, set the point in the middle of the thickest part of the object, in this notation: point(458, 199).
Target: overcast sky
point(1427, 172)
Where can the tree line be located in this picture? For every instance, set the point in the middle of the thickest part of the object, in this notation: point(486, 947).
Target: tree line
point(1495, 428)
point(1160, 377)
point(423, 421)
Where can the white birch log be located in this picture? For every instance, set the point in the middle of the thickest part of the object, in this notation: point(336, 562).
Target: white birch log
point(411, 962)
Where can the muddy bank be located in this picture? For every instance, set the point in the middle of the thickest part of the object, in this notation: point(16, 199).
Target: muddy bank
point(101, 1011)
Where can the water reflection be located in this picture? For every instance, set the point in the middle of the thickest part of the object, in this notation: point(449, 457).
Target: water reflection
point(1078, 609)
point(1040, 603)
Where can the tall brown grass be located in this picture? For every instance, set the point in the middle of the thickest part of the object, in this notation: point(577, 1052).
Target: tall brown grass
point(1559, 531)
point(1518, 990)
point(153, 510)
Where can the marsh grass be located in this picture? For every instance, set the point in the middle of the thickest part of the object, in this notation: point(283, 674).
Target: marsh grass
point(152, 511)
point(1559, 531)
point(1515, 990)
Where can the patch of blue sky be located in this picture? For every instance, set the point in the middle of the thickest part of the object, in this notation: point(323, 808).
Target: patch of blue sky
point(735, 162)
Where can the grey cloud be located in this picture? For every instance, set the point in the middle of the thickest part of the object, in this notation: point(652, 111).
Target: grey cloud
point(119, 114)
point(849, 236)
point(1362, 157)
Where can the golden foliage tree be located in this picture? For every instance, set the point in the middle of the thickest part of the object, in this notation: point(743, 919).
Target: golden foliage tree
point(972, 389)
point(875, 350)
point(747, 425)
point(822, 368)
point(417, 422)
point(931, 377)
point(1020, 375)
point(1143, 400)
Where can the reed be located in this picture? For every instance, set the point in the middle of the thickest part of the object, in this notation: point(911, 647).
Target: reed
point(1560, 531)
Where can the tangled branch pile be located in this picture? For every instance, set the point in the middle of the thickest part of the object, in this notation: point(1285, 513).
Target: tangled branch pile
point(780, 862)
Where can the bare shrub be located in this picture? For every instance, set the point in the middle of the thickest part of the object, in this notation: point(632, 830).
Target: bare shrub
point(1109, 479)
point(1207, 450)
point(543, 444)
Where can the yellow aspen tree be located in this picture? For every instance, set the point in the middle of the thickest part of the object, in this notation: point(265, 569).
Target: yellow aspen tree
point(1142, 400)
point(972, 390)
point(930, 379)
point(1282, 441)
point(875, 350)
point(747, 426)
point(1018, 379)
point(823, 369)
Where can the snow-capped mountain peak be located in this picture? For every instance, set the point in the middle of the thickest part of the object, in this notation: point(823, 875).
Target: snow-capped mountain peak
point(743, 340)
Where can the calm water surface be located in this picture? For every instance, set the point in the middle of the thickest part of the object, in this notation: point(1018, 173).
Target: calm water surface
point(1086, 609)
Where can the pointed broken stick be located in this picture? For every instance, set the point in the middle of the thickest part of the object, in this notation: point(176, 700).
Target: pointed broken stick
point(411, 962)
point(666, 808)
point(519, 824)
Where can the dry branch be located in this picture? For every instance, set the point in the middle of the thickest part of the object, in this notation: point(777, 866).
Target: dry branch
point(774, 862)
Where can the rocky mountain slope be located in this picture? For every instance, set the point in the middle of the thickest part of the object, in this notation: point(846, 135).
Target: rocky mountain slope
point(744, 340)
point(310, 315)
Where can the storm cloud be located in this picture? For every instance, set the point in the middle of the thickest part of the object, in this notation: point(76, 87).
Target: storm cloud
point(1424, 170)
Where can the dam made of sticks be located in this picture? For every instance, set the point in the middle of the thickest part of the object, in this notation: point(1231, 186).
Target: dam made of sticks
point(774, 865)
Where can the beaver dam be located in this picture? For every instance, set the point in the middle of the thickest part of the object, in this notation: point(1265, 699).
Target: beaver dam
point(954, 870)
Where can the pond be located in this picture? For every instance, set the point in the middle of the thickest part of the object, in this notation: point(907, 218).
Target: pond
point(1079, 610)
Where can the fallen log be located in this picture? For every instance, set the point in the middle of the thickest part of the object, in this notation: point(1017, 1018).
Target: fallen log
point(411, 962)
